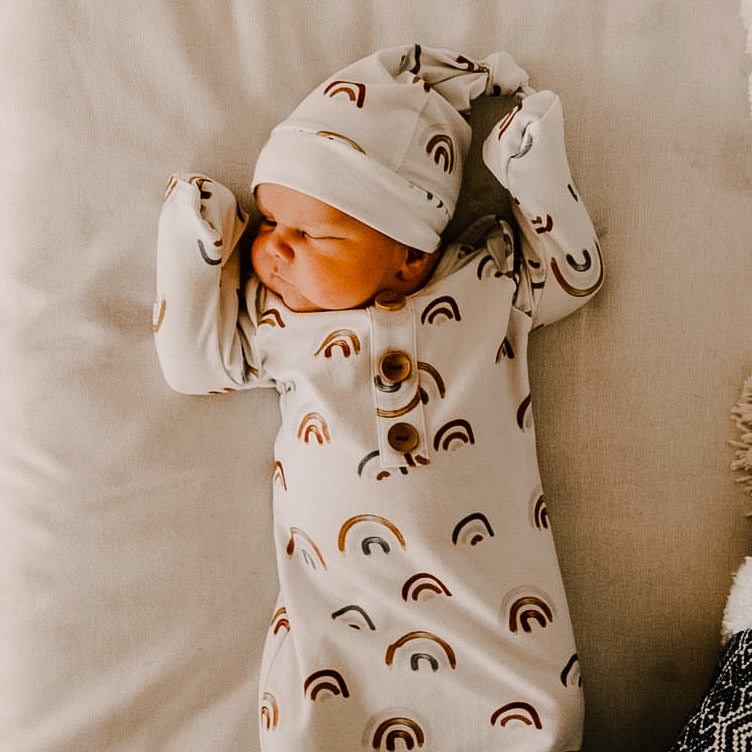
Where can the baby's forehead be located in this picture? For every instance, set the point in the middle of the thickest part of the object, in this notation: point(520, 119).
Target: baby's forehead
point(292, 207)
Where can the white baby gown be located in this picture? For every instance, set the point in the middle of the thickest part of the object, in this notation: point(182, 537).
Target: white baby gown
point(421, 604)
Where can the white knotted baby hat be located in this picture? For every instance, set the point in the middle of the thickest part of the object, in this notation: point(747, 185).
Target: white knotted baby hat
point(383, 139)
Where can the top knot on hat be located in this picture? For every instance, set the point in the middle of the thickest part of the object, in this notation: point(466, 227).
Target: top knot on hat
point(384, 139)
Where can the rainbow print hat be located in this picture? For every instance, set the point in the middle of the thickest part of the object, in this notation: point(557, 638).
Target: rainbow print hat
point(383, 140)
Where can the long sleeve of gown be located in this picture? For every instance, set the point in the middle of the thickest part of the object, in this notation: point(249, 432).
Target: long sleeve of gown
point(203, 334)
point(561, 259)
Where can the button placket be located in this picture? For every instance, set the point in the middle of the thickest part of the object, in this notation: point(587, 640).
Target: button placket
point(400, 423)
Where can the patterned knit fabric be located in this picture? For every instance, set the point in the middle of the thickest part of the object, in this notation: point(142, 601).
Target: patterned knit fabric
point(723, 719)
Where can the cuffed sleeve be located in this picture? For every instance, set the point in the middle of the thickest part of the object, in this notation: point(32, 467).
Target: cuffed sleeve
point(562, 265)
point(203, 336)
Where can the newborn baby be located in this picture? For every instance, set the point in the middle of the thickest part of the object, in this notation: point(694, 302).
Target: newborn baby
point(421, 604)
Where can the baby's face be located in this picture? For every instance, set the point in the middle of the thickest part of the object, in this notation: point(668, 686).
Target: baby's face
point(317, 258)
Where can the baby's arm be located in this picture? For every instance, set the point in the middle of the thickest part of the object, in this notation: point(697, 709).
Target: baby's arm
point(561, 254)
point(200, 329)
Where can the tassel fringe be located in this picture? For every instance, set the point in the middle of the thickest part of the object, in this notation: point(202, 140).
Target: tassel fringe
point(742, 413)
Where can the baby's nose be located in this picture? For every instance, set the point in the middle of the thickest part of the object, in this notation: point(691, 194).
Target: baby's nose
point(281, 246)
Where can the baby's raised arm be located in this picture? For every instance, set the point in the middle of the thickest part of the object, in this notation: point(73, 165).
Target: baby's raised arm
point(526, 153)
point(200, 327)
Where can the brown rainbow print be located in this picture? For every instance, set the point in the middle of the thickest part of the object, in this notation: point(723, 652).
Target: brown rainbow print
point(541, 227)
point(506, 121)
point(455, 430)
point(472, 530)
point(313, 425)
point(200, 182)
point(483, 264)
point(522, 712)
point(423, 582)
point(389, 731)
point(571, 676)
point(366, 518)
point(441, 148)
point(269, 712)
point(522, 410)
point(445, 306)
point(309, 551)
point(344, 339)
point(468, 65)
point(325, 680)
point(415, 658)
point(540, 513)
point(355, 617)
point(280, 621)
point(271, 317)
point(355, 92)
point(571, 289)
point(528, 609)
point(505, 351)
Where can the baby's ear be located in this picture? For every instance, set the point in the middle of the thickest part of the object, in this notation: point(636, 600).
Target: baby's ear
point(418, 264)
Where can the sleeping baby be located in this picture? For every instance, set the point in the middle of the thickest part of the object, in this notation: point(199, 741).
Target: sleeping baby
point(420, 604)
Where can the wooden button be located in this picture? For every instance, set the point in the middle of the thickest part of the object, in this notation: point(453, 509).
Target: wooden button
point(388, 300)
point(395, 367)
point(403, 437)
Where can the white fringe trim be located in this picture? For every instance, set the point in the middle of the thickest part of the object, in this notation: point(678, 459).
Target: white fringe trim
point(743, 416)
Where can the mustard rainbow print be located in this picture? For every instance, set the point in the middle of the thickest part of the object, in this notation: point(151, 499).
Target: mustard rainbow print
point(280, 621)
point(355, 92)
point(344, 339)
point(423, 583)
point(406, 408)
point(367, 543)
point(445, 306)
point(332, 136)
point(390, 730)
point(416, 658)
point(355, 617)
point(313, 426)
point(159, 317)
point(309, 551)
point(325, 680)
point(521, 712)
point(279, 475)
point(472, 530)
point(438, 380)
point(269, 711)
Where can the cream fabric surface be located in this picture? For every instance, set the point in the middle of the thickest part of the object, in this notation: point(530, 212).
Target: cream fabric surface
point(136, 560)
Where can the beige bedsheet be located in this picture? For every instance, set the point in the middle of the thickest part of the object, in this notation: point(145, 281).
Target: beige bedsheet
point(136, 570)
